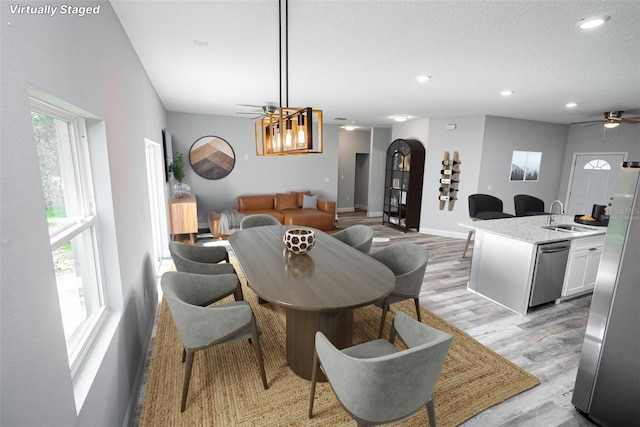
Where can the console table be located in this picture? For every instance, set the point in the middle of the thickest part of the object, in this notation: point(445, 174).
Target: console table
point(183, 216)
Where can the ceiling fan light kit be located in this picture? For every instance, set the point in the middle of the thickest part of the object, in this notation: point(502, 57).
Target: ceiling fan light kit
point(288, 130)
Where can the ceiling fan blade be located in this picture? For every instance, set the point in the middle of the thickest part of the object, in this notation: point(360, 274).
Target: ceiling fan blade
point(250, 105)
point(252, 112)
point(593, 124)
point(632, 120)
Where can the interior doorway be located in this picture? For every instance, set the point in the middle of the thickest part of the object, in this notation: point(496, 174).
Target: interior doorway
point(361, 182)
point(593, 181)
point(155, 185)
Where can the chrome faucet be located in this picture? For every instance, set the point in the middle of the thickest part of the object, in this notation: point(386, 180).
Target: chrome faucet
point(551, 218)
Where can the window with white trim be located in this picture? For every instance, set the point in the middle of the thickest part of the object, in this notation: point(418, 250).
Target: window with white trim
point(63, 155)
point(598, 164)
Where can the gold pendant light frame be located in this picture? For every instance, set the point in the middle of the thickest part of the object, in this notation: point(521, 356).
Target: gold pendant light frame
point(289, 130)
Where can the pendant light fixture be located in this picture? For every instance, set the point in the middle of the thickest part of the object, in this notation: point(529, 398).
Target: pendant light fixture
point(289, 130)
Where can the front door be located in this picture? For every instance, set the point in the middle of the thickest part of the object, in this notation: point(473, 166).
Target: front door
point(593, 181)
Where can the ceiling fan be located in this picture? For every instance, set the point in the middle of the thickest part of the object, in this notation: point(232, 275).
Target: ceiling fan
point(266, 110)
point(613, 119)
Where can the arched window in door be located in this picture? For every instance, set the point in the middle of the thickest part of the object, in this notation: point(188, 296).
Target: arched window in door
point(598, 164)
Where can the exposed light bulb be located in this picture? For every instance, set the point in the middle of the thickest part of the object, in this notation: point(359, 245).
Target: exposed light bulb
point(288, 137)
point(302, 135)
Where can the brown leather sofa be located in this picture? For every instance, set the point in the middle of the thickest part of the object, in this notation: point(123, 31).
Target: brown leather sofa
point(288, 209)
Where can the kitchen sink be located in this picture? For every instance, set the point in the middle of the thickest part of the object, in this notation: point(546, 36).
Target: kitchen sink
point(567, 228)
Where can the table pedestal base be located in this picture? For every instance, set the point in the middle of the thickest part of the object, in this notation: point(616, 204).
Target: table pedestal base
point(337, 326)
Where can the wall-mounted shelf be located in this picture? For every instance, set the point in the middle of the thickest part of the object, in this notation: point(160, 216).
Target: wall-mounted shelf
point(449, 179)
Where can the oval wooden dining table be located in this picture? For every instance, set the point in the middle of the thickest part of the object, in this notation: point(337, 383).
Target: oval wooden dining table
point(318, 291)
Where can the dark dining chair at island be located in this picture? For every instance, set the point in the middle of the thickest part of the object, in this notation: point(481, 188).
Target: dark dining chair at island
point(408, 262)
point(375, 382)
point(483, 207)
point(526, 205)
point(318, 291)
point(199, 326)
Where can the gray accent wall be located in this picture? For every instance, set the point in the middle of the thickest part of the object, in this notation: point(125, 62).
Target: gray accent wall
point(380, 140)
point(251, 174)
point(502, 136)
point(90, 63)
point(351, 144)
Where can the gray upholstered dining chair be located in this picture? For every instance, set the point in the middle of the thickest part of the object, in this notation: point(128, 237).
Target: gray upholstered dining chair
point(257, 220)
point(203, 260)
point(408, 262)
point(377, 383)
point(199, 326)
point(357, 236)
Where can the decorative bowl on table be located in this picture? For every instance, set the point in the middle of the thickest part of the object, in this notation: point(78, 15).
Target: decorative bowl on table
point(299, 240)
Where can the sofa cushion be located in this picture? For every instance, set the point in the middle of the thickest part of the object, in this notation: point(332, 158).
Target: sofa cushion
point(286, 201)
point(309, 202)
point(255, 202)
point(309, 218)
point(300, 195)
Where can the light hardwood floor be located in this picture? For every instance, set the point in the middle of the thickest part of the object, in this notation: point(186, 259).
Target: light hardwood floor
point(546, 342)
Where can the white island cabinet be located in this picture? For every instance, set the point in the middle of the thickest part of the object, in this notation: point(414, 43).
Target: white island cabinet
point(506, 251)
point(582, 267)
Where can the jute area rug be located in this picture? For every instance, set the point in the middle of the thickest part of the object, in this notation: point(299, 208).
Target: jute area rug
point(226, 389)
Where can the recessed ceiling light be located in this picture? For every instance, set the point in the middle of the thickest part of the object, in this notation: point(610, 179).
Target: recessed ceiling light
point(400, 118)
point(506, 93)
point(571, 105)
point(592, 22)
point(349, 127)
point(423, 78)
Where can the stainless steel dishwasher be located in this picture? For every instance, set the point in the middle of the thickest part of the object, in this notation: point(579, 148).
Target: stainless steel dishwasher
point(548, 274)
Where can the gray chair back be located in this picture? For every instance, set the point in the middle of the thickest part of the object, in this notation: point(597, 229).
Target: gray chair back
point(357, 236)
point(377, 384)
point(200, 259)
point(257, 220)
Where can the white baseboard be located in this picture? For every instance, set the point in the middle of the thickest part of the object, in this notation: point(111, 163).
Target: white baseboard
point(340, 210)
point(443, 233)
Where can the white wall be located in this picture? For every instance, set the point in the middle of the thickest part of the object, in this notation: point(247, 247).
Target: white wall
point(467, 140)
point(251, 174)
point(90, 63)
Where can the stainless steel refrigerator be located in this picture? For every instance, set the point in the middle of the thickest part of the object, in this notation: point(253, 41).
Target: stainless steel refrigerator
point(607, 385)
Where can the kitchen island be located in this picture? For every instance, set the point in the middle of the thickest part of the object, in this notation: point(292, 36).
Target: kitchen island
point(522, 262)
